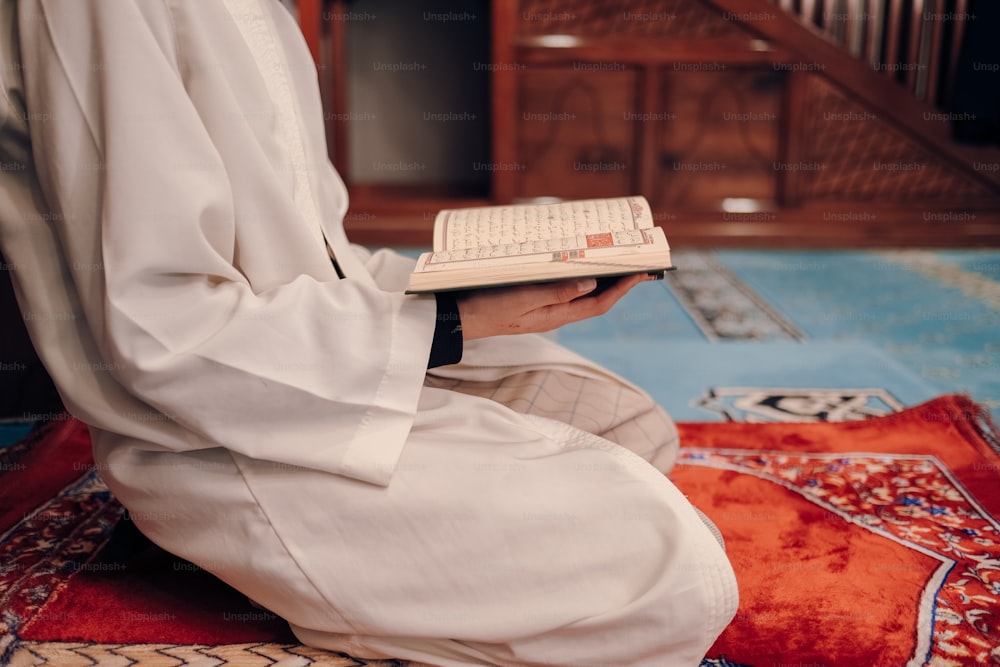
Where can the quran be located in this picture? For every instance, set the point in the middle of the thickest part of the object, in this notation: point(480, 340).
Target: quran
point(492, 246)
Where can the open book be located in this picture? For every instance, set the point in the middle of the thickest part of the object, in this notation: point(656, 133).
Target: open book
point(490, 246)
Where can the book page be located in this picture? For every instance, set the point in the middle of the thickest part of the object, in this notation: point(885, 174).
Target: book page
point(561, 249)
point(592, 249)
point(471, 268)
point(530, 224)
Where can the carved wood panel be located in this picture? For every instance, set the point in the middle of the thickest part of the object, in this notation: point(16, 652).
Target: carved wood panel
point(855, 155)
point(575, 133)
point(626, 18)
point(714, 135)
point(718, 138)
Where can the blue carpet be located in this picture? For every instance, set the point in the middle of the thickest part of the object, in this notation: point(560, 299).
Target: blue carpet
point(11, 433)
point(699, 381)
point(912, 323)
point(925, 310)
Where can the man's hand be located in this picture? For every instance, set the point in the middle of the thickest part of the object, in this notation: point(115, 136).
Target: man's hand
point(537, 308)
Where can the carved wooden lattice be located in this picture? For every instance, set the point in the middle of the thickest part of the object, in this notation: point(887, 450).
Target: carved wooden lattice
point(854, 154)
point(626, 18)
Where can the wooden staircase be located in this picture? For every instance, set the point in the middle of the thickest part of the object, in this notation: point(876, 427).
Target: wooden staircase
point(745, 122)
point(893, 67)
point(917, 45)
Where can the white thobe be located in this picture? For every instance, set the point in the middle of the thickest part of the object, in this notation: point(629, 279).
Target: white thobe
point(169, 211)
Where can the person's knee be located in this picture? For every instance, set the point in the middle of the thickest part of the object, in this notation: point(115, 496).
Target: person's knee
point(692, 598)
point(688, 599)
point(681, 589)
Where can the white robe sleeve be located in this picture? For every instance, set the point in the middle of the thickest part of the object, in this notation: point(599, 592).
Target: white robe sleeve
point(154, 147)
point(390, 269)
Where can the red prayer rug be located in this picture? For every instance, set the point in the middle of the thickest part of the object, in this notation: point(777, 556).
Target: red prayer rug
point(863, 543)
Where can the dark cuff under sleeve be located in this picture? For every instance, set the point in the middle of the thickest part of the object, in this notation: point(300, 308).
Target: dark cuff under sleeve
point(447, 345)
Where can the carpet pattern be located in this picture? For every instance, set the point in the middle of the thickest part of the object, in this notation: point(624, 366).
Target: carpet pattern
point(926, 322)
point(871, 542)
point(776, 404)
point(867, 543)
point(721, 305)
point(80, 654)
point(912, 501)
point(935, 313)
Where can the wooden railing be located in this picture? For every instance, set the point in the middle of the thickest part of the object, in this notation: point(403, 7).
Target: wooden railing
point(913, 42)
point(862, 82)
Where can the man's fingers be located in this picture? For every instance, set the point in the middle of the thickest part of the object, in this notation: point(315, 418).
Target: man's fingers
point(621, 287)
point(568, 290)
point(534, 308)
point(578, 309)
point(532, 297)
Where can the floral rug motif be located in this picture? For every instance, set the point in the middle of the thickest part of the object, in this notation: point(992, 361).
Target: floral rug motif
point(870, 542)
point(915, 502)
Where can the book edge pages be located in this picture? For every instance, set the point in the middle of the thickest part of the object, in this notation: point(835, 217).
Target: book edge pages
point(440, 224)
point(447, 281)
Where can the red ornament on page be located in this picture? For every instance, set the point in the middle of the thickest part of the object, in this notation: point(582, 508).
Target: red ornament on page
point(600, 240)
